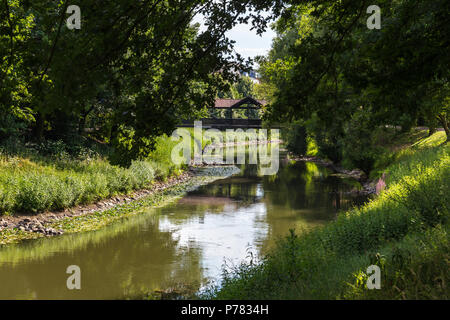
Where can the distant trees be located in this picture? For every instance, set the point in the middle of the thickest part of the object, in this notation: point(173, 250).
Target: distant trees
point(241, 88)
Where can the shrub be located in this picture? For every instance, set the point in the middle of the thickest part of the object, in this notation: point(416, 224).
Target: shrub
point(358, 149)
point(56, 149)
point(143, 173)
point(35, 192)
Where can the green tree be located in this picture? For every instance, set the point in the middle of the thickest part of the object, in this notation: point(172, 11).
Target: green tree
point(141, 64)
point(325, 64)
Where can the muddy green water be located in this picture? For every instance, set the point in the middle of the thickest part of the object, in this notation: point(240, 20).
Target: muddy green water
point(183, 244)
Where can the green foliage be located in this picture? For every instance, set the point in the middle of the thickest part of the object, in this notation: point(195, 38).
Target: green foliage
point(242, 88)
point(161, 157)
point(311, 148)
point(417, 268)
point(321, 263)
point(295, 138)
point(325, 65)
point(131, 67)
point(245, 88)
point(48, 177)
point(358, 148)
point(10, 128)
point(56, 149)
point(326, 141)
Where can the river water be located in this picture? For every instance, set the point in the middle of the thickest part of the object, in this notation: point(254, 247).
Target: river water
point(182, 245)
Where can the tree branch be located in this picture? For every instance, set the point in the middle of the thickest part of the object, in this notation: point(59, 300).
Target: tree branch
point(52, 52)
point(11, 32)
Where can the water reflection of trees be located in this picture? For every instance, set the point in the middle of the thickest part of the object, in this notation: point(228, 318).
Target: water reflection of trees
point(242, 188)
point(302, 185)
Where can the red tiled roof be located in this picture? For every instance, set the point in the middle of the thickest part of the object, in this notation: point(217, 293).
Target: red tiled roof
point(228, 103)
point(225, 103)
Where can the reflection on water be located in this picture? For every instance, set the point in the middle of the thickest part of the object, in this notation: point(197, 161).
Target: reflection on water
point(185, 242)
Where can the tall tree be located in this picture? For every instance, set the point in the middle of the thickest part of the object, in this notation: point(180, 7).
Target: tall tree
point(145, 59)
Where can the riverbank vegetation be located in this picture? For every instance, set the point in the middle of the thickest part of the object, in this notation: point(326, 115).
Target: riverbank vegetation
point(54, 175)
point(50, 176)
point(346, 86)
point(404, 231)
point(85, 113)
point(354, 94)
point(101, 218)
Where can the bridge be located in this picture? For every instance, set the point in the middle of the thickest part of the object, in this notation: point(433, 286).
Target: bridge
point(232, 113)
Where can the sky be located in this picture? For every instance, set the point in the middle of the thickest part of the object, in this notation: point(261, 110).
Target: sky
point(248, 43)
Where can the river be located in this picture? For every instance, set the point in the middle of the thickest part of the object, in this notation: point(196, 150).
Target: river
point(182, 245)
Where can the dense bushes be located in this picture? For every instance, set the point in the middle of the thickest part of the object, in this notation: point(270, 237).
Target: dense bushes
point(53, 175)
point(321, 263)
point(33, 187)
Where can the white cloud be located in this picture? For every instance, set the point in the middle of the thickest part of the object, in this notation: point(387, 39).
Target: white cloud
point(248, 43)
point(251, 52)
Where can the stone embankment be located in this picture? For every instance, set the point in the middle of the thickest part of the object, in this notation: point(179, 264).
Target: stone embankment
point(37, 223)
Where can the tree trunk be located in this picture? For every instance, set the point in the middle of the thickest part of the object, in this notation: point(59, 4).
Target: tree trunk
point(39, 128)
point(431, 130)
point(444, 122)
point(82, 121)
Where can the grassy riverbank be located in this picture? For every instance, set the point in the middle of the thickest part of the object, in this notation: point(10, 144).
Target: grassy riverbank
point(404, 231)
point(99, 219)
point(55, 176)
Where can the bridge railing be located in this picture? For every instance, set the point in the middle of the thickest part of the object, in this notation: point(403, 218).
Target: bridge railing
point(212, 122)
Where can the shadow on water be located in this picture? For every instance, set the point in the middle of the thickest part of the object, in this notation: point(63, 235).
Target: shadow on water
point(183, 243)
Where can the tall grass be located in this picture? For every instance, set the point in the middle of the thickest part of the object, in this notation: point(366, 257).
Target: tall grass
point(52, 176)
point(26, 186)
point(33, 181)
point(326, 263)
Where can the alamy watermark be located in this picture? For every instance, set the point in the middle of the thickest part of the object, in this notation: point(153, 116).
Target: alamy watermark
point(374, 21)
point(74, 21)
point(74, 280)
point(374, 279)
point(251, 143)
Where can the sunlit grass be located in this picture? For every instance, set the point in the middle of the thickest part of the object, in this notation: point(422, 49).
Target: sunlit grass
point(329, 262)
point(35, 183)
point(99, 219)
